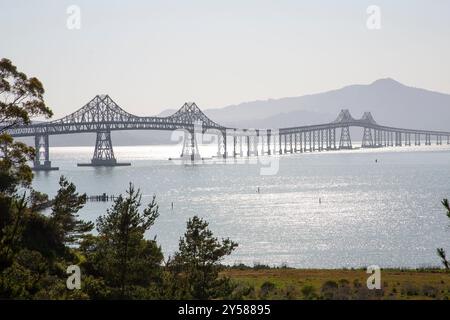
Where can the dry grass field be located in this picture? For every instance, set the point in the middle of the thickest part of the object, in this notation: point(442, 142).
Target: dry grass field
point(339, 284)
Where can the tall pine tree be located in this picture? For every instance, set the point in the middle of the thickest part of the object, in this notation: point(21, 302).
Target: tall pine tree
point(128, 263)
point(64, 215)
point(195, 267)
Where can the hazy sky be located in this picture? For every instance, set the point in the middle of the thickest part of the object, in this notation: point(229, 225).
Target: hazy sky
point(153, 55)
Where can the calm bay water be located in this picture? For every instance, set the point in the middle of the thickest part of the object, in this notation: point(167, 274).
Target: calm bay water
point(386, 213)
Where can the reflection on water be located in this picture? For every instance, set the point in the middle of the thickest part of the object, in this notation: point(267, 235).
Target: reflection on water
point(386, 213)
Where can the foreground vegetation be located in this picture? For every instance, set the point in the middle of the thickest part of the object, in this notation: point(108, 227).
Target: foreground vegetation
point(340, 284)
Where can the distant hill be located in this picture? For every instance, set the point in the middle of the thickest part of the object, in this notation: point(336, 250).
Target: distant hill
point(390, 102)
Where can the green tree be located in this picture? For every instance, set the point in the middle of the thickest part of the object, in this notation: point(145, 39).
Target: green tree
point(21, 98)
point(65, 207)
point(31, 263)
point(441, 251)
point(196, 266)
point(128, 263)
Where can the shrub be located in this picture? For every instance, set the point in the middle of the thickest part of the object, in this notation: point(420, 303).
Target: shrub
point(429, 291)
point(243, 291)
point(329, 290)
point(309, 292)
point(290, 292)
point(266, 288)
point(409, 289)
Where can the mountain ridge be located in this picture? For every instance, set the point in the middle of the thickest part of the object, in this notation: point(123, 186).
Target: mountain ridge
point(391, 103)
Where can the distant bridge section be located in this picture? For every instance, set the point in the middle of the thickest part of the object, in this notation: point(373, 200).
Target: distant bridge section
point(102, 115)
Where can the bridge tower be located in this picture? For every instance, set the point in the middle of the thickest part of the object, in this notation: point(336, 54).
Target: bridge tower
point(103, 152)
point(346, 141)
point(41, 145)
point(367, 140)
point(190, 147)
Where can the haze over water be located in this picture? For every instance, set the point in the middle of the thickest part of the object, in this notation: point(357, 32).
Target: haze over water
point(386, 213)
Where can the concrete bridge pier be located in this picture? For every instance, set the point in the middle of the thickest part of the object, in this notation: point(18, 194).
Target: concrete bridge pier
point(316, 140)
point(376, 140)
point(269, 142)
point(291, 146)
point(310, 141)
point(220, 145)
point(439, 140)
point(328, 139)
point(261, 142)
point(389, 139)
point(302, 138)
point(367, 140)
point(260, 139)
point(273, 140)
point(398, 139)
point(103, 153)
point(241, 149)
point(408, 139)
point(225, 145)
point(379, 139)
point(286, 144)
point(234, 145)
point(42, 153)
point(254, 141)
point(417, 139)
point(428, 139)
point(289, 143)
point(321, 138)
point(280, 144)
point(252, 144)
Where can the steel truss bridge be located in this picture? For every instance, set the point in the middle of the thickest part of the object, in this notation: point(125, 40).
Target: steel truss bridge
point(102, 115)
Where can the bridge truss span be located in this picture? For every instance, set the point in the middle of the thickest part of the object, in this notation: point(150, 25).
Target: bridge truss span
point(102, 115)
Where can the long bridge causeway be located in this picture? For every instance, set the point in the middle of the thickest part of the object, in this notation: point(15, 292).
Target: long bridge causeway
point(102, 116)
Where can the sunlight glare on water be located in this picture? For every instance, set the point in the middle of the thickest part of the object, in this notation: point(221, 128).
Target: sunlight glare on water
point(386, 213)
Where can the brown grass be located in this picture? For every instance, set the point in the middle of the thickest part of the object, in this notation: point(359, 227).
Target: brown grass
point(396, 284)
